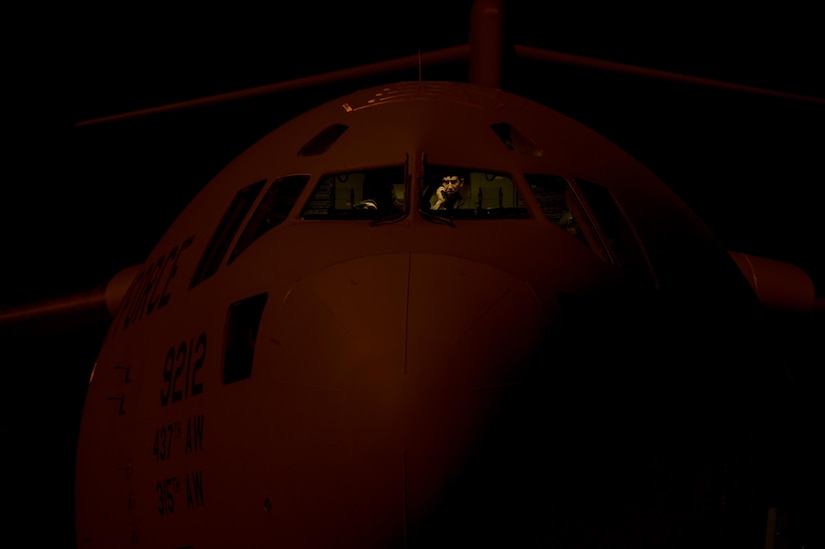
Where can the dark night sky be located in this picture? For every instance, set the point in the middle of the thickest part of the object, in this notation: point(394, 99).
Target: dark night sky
point(81, 203)
point(93, 200)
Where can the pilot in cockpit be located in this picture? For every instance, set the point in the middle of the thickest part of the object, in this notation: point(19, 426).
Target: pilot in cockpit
point(448, 196)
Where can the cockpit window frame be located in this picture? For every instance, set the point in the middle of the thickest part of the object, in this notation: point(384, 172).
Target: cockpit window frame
point(372, 194)
point(227, 228)
point(591, 213)
point(471, 202)
point(617, 232)
point(562, 205)
point(274, 207)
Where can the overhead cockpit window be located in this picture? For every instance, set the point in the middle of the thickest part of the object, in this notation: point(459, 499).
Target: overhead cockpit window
point(560, 206)
point(515, 140)
point(228, 226)
point(273, 209)
point(372, 194)
point(460, 193)
point(323, 141)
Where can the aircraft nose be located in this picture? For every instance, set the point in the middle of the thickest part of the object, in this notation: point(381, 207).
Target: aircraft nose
point(473, 332)
point(413, 360)
point(469, 325)
point(406, 320)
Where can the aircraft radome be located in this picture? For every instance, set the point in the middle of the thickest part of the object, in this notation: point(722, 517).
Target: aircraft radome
point(315, 354)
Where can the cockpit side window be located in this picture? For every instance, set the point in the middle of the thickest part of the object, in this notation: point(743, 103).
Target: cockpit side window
point(228, 226)
point(273, 209)
point(365, 194)
point(461, 193)
point(559, 205)
point(618, 233)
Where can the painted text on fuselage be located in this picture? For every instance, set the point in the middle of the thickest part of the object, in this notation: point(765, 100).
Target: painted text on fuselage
point(181, 369)
point(150, 290)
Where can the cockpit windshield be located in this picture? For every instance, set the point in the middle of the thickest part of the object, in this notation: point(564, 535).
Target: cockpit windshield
point(363, 194)
point(460, 193)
